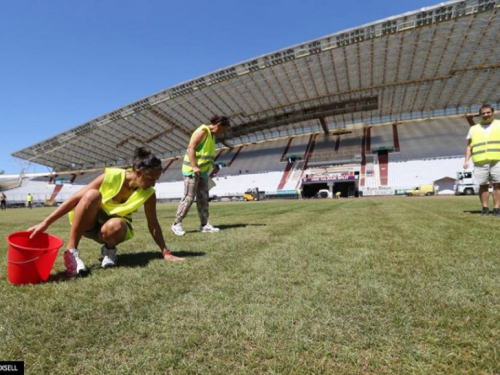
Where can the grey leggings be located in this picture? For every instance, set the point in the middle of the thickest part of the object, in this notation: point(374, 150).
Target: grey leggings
point(194, 186)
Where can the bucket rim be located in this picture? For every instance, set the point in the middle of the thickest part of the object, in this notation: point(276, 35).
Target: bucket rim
point(34, 248)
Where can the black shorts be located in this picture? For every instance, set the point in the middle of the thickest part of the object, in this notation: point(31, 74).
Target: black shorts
point(103, 217)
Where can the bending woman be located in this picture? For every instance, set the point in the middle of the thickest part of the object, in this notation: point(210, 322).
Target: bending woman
point(102, 211)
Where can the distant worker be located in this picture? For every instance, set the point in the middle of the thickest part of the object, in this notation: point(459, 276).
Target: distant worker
point(337, 195)
point(3, 201)
point(198, 162)
point(102, 211)
point(29, 201)
point(483, 144)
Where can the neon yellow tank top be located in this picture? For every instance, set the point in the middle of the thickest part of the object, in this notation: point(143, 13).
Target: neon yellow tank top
point(205, 154)
point(112, 184)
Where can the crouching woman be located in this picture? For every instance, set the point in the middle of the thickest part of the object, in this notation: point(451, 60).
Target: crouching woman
point(102, 211)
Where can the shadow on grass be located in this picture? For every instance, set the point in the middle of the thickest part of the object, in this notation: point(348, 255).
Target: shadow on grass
point(127, 260)
point(62, 276)
point(142, 259)
point(59, 277)
point(477, 212)
point(230, 226)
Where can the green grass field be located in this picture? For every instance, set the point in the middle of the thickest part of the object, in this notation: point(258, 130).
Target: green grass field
point(353, 286)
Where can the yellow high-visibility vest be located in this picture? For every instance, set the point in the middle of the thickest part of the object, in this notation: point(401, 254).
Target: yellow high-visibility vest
point(205, 153)
point(484, 148)
point(111, 186)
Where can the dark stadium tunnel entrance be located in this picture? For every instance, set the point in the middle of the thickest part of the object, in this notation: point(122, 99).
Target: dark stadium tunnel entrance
point(310, 190)
point(346, 189)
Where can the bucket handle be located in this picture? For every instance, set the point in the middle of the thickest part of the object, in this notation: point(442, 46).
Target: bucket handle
point(26, 261)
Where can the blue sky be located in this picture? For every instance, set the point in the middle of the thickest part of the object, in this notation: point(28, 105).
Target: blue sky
point(63, 63)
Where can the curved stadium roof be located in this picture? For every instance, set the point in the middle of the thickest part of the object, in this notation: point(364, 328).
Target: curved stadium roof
point(439, 60)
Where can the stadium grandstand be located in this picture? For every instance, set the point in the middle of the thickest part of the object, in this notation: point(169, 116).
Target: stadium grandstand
point(366, 111)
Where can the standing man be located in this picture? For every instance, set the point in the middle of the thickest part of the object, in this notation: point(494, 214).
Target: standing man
point(29, 199)
point(198, 162)
point(484, 147)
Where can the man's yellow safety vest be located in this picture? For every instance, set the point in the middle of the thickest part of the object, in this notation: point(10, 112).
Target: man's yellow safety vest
point(484, 148)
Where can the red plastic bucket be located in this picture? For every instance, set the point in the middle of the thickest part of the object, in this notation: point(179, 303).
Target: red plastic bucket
point(31, 260)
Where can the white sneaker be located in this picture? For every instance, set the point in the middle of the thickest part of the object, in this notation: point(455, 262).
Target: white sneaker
point(74, 264)
point(109, 255)
point(208, 228)
point(178, 229)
